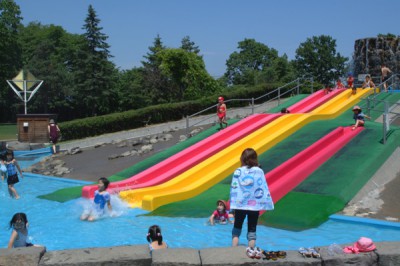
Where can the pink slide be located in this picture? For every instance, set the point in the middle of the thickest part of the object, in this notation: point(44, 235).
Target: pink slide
point(284, 178)
point(310, 103)
point(184, 160)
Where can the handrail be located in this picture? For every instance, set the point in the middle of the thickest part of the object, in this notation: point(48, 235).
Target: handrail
point(281, 91)
point(388, 113)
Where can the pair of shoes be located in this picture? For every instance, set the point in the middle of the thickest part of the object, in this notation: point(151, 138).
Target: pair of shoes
point(309, 252)
point(254, 253)
point(250, 252)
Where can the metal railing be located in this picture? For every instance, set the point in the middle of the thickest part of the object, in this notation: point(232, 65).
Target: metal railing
point(390, 111)
point(291, 88)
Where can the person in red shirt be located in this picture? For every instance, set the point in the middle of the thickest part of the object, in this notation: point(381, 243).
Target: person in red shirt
point(221, 112)
point(339, 85)
point(221, 214)
point(350, 81)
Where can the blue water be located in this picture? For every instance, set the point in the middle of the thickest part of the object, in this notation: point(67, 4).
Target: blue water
point(57, 225)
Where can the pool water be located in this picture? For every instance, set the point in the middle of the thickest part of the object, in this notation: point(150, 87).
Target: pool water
point(57, 225)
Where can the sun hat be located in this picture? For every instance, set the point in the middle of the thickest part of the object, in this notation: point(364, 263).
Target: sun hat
point(356, 108)
point(222, 201)
point(51, 121)
point(364, 244)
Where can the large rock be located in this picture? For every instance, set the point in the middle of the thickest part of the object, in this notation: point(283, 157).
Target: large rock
point(370, 53)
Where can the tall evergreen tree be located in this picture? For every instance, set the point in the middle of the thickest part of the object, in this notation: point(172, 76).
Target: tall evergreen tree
point(95, 74)
point(154, 83)
point(10, 56)
point(189, 46)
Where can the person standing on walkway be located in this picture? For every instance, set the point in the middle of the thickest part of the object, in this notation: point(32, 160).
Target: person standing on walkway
point(54, 134)
point(221, 112)
point(385, 75)
point(248, 196)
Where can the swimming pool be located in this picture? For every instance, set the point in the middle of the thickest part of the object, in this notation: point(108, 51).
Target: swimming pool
point(57, 225)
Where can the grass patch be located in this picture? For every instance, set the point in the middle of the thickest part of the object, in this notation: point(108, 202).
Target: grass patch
point(8, 132)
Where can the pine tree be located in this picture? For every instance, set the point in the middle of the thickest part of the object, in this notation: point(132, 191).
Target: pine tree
point(155, 84)
point(94, 72)
point(189, 46)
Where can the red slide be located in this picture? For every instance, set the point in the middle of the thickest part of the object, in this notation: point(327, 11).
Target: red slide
point(284, 178)
point(193, 155)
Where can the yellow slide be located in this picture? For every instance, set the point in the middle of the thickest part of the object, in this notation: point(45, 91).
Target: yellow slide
point(212, 170)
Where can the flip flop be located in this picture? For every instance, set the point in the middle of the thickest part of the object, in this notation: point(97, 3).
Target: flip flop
point(250, 252)
point(314, 252)
point(305, 252)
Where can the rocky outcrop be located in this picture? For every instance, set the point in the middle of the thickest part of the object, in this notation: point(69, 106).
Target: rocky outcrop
point(370, 53)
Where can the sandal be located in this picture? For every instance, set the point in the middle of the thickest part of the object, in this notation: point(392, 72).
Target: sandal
point(280, 254)
point(305, 252)
point(314, 252)
point(270, 255)
point(250, 252)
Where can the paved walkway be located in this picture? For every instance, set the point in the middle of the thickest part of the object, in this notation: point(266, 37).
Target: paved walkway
point(166, 127)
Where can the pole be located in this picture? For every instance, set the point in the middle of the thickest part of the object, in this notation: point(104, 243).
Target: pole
point(26, 111)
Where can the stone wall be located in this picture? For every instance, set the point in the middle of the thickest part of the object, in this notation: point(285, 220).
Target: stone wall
point(387, 253)
point(370, 53)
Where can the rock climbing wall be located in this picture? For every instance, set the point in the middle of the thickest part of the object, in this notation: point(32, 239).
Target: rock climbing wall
point(370, 53)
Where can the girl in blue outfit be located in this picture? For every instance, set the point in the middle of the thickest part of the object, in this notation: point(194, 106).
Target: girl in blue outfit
point(101, 198)
point(19, 235)
point(155, 239)
point(248, 196)
point(12, 174)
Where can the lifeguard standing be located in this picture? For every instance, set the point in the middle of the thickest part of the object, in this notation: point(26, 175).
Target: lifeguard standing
point(221, 112)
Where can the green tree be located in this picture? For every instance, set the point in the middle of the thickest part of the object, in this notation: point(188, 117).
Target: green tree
point(189, 46)
point(154, 83)
point(130, 90)
point(47, 53)
point(94, 73)
point(187, 73)
point(10, 56)
point(318, 57)
point(252, 59)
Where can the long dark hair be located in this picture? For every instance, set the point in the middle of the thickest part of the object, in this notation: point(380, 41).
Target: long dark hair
point(18, 216)
point(154, 234)
point(249, 158)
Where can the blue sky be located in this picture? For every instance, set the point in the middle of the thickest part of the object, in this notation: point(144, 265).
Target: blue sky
point(217, 26)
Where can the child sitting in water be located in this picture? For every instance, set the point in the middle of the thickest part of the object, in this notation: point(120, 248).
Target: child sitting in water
point(155, 239)
point(101, 198)
point(220, 215)
point(19, 235)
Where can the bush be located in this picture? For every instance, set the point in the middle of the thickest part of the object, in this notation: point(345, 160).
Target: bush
point(93, 126)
